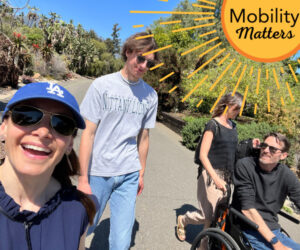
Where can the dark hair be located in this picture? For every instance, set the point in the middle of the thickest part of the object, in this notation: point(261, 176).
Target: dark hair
point(281, 138)
point(227, 100)
point(67, 167)
point(132, 44)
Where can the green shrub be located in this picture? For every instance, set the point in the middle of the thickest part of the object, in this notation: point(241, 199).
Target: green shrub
point(287, 209)
point(192, 129)
point(291, 160)
point(34, 36)
point(257, 130)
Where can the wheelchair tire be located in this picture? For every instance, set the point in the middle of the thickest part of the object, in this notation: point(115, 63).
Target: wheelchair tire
point(284, 232)
point(217, 238)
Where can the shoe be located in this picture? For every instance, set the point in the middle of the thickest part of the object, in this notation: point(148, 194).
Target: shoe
point(180, 229)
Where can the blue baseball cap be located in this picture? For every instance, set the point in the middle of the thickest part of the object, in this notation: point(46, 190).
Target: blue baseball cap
point(46, 90)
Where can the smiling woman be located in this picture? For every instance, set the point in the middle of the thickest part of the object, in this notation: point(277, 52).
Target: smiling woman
point(39, 207)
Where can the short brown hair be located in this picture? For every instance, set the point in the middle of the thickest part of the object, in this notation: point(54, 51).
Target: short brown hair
point(139, 45)
point(227, 100)
point(281, 138)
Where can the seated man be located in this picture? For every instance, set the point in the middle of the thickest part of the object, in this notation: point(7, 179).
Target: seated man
point(261, 187)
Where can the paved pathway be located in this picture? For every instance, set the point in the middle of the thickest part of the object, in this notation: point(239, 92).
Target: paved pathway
point(170, 189)
point(170, 184)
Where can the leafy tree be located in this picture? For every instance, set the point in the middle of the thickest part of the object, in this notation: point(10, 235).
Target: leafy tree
point(115, 40)
point(6, 13)
point(93, 35)
point(109, 45)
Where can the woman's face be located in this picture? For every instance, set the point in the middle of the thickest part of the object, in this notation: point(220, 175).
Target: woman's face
point(233, 111)
point(36, 149)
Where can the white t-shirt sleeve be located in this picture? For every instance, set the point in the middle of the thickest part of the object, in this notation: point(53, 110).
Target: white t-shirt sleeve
point(90, 107)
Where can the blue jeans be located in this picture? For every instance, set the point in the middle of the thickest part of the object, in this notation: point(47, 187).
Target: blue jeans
point(121, 191)
point(258, 241)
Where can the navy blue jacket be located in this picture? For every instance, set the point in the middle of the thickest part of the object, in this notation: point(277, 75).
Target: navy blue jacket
point(58, 225)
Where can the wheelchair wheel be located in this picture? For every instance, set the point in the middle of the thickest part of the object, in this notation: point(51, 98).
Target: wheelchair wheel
point(217, 239)
point(284, 232)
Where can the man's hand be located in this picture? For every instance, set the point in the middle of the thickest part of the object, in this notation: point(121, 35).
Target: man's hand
point(141, 185)
point(255, 142)
point(143, 146)
point(280, 246)
point(83, 185)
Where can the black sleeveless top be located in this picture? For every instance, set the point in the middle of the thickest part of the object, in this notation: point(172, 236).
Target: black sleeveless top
point(222, 151)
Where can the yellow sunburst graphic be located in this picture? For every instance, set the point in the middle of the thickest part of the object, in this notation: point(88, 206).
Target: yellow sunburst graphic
point(229, 64)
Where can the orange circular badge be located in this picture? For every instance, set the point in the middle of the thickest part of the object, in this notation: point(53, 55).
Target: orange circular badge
point(263, 30)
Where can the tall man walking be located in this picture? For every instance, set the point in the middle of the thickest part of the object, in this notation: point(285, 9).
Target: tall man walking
point(119, 109)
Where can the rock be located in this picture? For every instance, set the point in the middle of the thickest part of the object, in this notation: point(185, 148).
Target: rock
point(36, 76)
point(28, 79)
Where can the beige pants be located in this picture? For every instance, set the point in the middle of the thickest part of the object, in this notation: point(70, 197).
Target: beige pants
point(209, 197)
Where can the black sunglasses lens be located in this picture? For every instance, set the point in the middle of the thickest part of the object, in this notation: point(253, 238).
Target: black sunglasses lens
point(263, 145)
point(63, 125)
point(141, 59)
point(272, 149)
point(26, 116)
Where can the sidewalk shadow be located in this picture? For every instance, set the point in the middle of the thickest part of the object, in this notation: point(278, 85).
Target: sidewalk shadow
point(191, 230)
point(100, 239)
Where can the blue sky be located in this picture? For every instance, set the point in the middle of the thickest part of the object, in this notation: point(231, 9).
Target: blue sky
point(101, 15)
point(297, 55)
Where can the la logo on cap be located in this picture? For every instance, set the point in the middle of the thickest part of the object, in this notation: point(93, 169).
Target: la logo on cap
point(54, 89)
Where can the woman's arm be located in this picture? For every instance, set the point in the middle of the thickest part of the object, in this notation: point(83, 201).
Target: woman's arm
point(205, 147)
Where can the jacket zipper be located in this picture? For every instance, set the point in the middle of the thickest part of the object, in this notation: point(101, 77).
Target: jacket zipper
point(27, 226)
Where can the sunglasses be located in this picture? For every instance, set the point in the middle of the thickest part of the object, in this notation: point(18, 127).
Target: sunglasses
point(272, 149)
point(142, 59)
point(27, 116)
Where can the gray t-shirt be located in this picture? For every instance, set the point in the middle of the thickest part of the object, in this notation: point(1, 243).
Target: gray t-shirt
point(120, 109)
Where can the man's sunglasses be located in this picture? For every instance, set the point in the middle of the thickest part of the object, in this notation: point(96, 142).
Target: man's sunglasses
point(142, 59)
point(27, 116)
point(272, 149)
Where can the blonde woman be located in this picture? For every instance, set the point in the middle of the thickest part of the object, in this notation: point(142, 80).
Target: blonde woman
point(217, 156)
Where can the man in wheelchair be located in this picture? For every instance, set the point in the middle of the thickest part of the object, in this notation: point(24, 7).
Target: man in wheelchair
point(261, 187)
